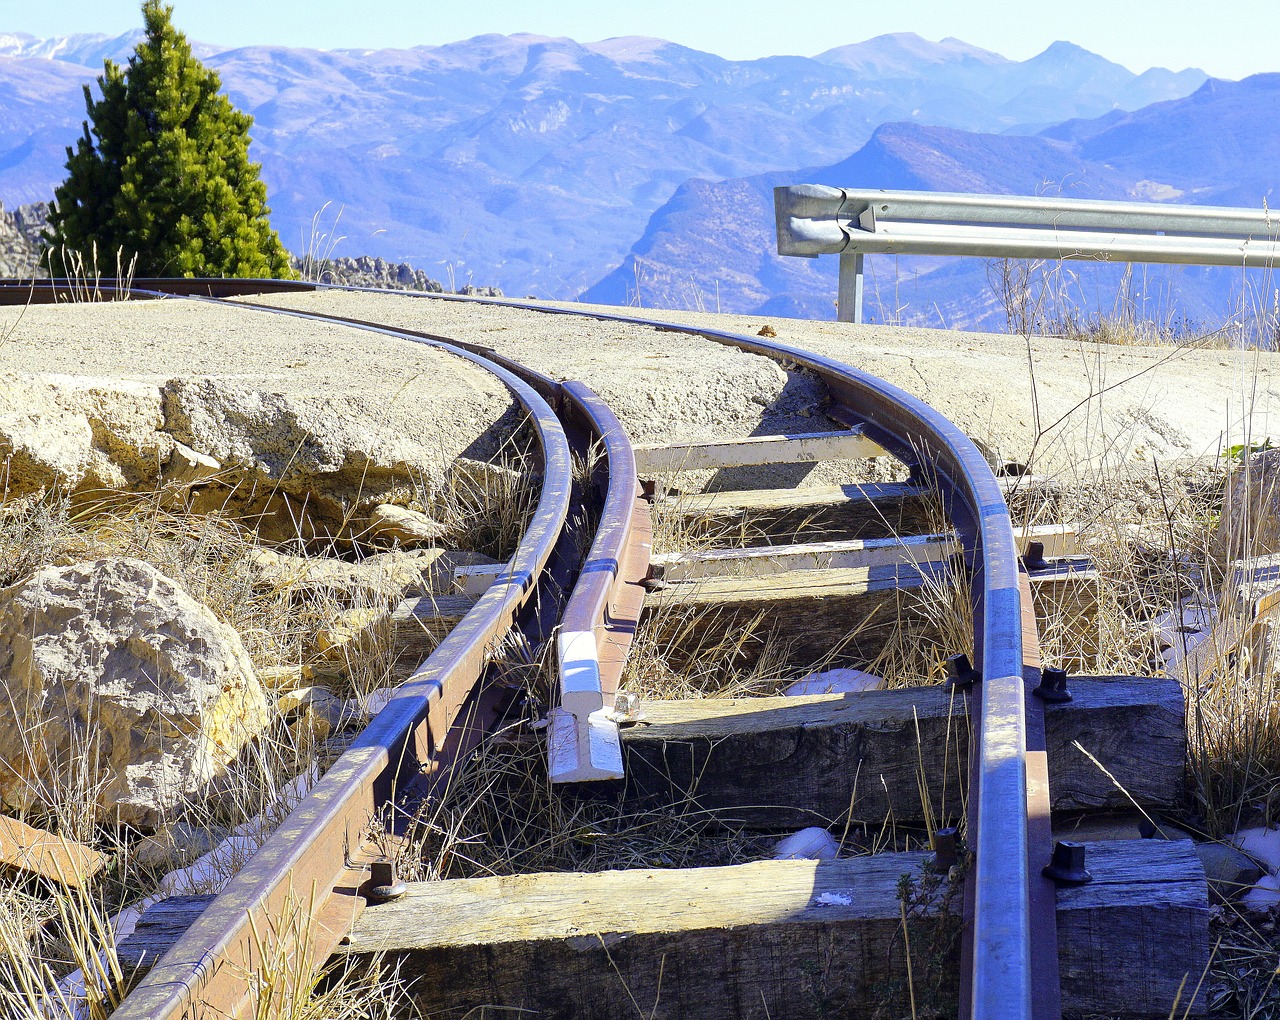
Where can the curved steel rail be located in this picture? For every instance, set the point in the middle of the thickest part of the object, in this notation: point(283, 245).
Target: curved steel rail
point(999, 949)
point(197, 976)
point(595, 626)
point(999, 952)
point(1000, 976)
point(288, 882)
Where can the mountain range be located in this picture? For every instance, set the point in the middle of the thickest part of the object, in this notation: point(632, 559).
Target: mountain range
point(712, 244)
point(536, 163)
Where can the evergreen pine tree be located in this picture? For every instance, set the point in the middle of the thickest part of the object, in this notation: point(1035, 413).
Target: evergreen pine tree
point(162, 170)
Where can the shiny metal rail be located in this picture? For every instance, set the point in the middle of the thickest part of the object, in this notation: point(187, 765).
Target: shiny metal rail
point(302, 885)
point(998, 952)
point(999, 979)
point(814, 219)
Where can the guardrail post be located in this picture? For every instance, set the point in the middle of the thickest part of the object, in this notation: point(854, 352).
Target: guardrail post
point(849, 296)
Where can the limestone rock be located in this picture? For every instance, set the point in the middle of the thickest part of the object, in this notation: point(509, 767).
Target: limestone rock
point(117, 682)
point(190, 466)
point(407, 527)
point(836, 681)
point(354, 631)
point(316, 709)
point(1264, 897)
point(20, 244)
point(1262, 844)
point(365, 271)
point(1230, 873)
point(1250, 522)
point(293, 460)
point(398, 574)
point(79, 433)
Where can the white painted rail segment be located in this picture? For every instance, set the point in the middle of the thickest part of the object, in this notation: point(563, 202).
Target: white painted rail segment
point(583, 742)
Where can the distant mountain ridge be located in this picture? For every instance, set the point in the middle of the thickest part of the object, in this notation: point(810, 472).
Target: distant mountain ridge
point(534, 163)
point(715, 238)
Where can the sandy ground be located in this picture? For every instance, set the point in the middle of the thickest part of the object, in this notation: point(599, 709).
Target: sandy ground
point(1060, 406)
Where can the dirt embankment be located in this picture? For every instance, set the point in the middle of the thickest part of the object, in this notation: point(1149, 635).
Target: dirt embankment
point(323, 419)
point(1062, 406)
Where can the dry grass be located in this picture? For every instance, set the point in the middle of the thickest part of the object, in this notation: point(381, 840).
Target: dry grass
point(503, 817)
point(1052, 299)
point(46, 933)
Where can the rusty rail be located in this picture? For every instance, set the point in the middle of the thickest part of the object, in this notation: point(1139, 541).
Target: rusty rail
point(1010, 910)
point(300, 890)
point(1009, 913)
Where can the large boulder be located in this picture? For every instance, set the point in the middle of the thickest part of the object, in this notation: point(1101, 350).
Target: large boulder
point(117, 684)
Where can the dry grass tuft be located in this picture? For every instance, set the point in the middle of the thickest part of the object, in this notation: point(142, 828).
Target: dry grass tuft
point(503, 817)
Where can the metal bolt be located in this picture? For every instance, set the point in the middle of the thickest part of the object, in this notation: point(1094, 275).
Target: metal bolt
point(960, 673)
point(945, 844)
point(625, 703)
point(1067, 866)
point(1033, 558)
point(653, 581)
point(383, 884)
point(1053, 686)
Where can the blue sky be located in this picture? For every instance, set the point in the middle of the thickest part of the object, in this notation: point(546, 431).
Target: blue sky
point(1227, 39)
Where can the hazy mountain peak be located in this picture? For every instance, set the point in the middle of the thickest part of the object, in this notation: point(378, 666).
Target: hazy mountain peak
point(1063, 54)
point(87, 49)
point(905, 54)
point(625, 49)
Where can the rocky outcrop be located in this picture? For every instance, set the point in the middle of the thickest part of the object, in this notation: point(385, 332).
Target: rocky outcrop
point(20, 242)
point(296, 466)
point(365, 271)
point(117, 684)
point(80, 433)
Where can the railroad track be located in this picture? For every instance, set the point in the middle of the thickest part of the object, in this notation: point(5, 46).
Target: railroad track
point(776, 938)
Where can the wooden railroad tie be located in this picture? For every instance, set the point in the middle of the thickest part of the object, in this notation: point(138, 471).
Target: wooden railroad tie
point(800, 448)
point(774, 938)
point(1056, 541)
point(821, 759)
point(871, 510)
point(793, 939)
point(855, 610)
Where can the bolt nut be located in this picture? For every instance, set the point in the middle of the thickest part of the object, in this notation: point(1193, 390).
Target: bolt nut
point(625, 703)
point(383, 884)
point(1033, 558)
point(946, 845)
point(1053, 686)
point(960, 673)
point(1067, 866)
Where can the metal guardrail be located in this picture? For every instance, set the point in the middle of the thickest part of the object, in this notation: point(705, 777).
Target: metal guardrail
point(814, 219)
